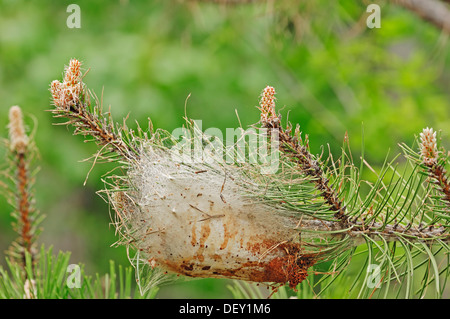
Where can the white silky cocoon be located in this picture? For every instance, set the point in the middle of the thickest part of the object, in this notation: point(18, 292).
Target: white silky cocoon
point(197, 220)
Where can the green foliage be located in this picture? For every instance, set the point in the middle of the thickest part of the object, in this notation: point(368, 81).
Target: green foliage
point(50, 278)
point(330, 71)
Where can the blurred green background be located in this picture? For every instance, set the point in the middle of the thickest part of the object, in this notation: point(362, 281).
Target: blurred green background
point(331, 72)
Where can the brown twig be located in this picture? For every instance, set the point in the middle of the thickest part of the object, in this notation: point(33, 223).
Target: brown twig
point(87, 124)
point(19, 149)
point(291, 147)
point(439, 173)
point(430, 158)
point(24, 205)
point(72, 101)
point(433, 11)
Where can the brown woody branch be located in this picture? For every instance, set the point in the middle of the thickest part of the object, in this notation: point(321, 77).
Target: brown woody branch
point(433, 11)
point(20, 149)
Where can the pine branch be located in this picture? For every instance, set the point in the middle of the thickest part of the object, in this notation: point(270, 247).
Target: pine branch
point(33, 274)
point(52, 280)
point(26, 216)
point(436, 169)
point(73, 101)
point(291, 146)
point(300, 153)
point(186, 217)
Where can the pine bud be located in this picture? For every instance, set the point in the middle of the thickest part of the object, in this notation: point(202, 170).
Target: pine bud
point(18, 138)
point(267, 105)
point(428, 147)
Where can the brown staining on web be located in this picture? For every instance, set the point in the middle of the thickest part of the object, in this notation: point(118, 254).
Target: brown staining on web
point(193, 236)
point(205, 232)
point(260, 258)
point(289, 266)
point(228, 234)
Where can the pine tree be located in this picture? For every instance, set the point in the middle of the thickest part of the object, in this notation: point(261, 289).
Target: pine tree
point(36, 273)
point(275, 213)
